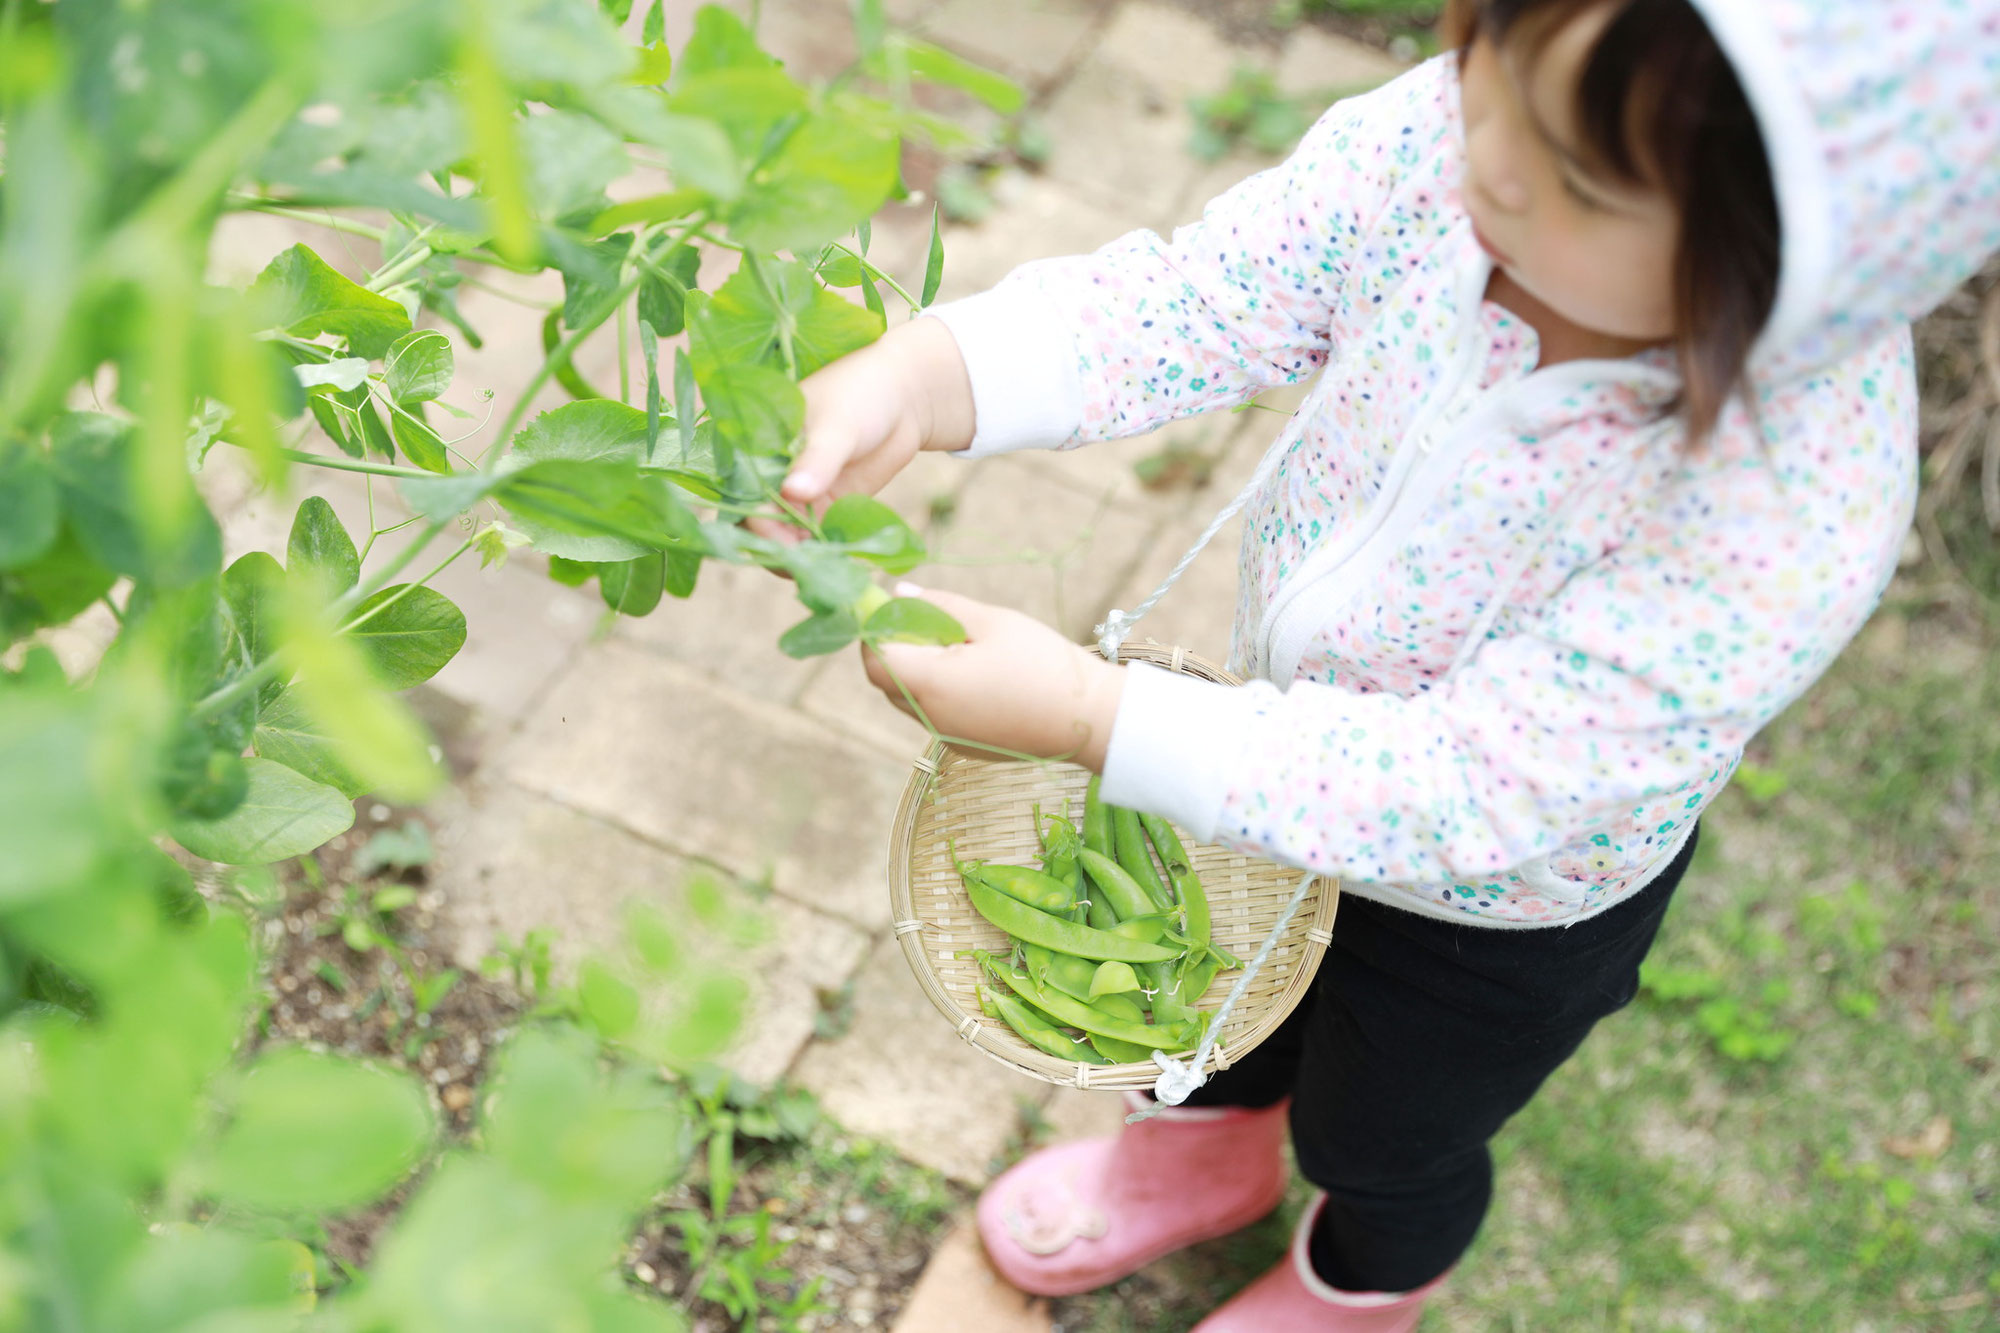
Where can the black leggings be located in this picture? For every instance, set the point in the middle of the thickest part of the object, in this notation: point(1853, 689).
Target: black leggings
point(1419, 1039)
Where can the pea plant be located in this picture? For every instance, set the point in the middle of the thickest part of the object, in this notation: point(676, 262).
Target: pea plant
point(150, 1179)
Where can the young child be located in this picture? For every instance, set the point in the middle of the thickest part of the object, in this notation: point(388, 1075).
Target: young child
point(1614, 450)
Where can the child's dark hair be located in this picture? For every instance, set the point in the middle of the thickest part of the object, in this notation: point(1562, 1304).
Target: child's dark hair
point(1659, 104)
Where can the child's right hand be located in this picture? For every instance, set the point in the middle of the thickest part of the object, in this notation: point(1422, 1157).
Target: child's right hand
point(869, 413)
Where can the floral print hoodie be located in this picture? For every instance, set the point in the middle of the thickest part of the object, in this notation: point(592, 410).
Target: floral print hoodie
point(1508, 635)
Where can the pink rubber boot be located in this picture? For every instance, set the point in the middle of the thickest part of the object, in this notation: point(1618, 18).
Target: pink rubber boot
point(1076, 1216)
point(1291, 1298)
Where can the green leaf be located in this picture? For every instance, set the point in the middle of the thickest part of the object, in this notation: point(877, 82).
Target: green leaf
point(590, 276)
point(321, 549)
point(720, 41)
point(649, 353)
point(408, 632)
point(872, 297)
point(592, 430)
point(299, 293)
point(596, 510)
point(282, 815)
point(609, 1002)
point(93, 458)
point(655, 67)
point(419, 443)
point(685, 407)
point(747, 104)
point(418, 366)
point(251, 593)
point(653, 30)
point(833, 171)
point(912, 620)
point(316, 1133)
point(828, 580)
point(286, 735)
point(52, 588)
point(700, 156)
point(841, 269)
point(51, 822)
point(579, 1131)
point(679, 573)
point(934, 265)
point(30, 509)
point(651, 208)
point(342, 372)
point(571, 159)
point(633, 587)
point(825, 632)
point(870, 529)
point(756, 410)
point(376, 736)
point(871, 26)
point(934, 64)
point(663, 297)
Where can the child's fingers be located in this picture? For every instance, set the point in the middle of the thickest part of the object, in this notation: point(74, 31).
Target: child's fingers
point(970, 612)
point(829, 446)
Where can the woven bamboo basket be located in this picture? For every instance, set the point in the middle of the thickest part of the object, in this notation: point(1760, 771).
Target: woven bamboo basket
point(985, 806)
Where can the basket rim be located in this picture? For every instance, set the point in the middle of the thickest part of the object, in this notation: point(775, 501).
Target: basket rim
point(1313, 924)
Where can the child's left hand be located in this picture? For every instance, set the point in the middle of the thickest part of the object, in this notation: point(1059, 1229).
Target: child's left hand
point(1014, 683)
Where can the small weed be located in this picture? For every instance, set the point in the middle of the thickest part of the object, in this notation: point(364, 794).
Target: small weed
point(401, 850)
point(527, 963)
point(1762, 785)
point(1250, 111)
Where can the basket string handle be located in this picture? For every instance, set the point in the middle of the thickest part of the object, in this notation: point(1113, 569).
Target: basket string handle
point(1179, 1078)
point(1118, 625)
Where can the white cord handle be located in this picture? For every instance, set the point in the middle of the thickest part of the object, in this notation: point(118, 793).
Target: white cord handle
point(1117, 625)
point(1178, 1079)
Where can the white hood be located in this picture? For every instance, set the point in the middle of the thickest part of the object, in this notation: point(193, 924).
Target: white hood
point(1882, 121)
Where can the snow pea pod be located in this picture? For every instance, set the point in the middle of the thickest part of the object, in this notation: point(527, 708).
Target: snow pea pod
point(1079, 1015)
point(1026, 884)
point(1187, 884)
point(1112, 979)
point(1130, 839)
point(1126, 896)
point(1063, 971)
point(1165, 992)
point(1096, 821)
point(1039, 1035)
point(1032, 926)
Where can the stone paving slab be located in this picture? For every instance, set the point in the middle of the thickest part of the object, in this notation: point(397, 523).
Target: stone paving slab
point(1019, 539)
point(728, 630)
point(664, 751)
point(900, 1074)
point(841, 696)
point(960, 1293)
point(511, 861)
point(1035, 40)
point(1036, 217)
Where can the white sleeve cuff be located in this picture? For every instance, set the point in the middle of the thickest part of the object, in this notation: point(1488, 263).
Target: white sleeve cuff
point(1173, 744)
point(1027, 391)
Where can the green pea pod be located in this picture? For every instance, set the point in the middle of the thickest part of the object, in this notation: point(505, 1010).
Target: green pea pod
point(1096, 821)
point(1048, 1040)
point(1127, 898)
point(1130, 840)
point(1064, 972)
point(1120, 1052)
point(1198, 972)
point(1080, 1015)
point(1099, 913)
point(1194, 907)
point(1165, 993)
point(1166, 842)
point(1032, 926)
point(1151, 928)
point(1112, 979)
point(1119, 1006)
point(1026, 884)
